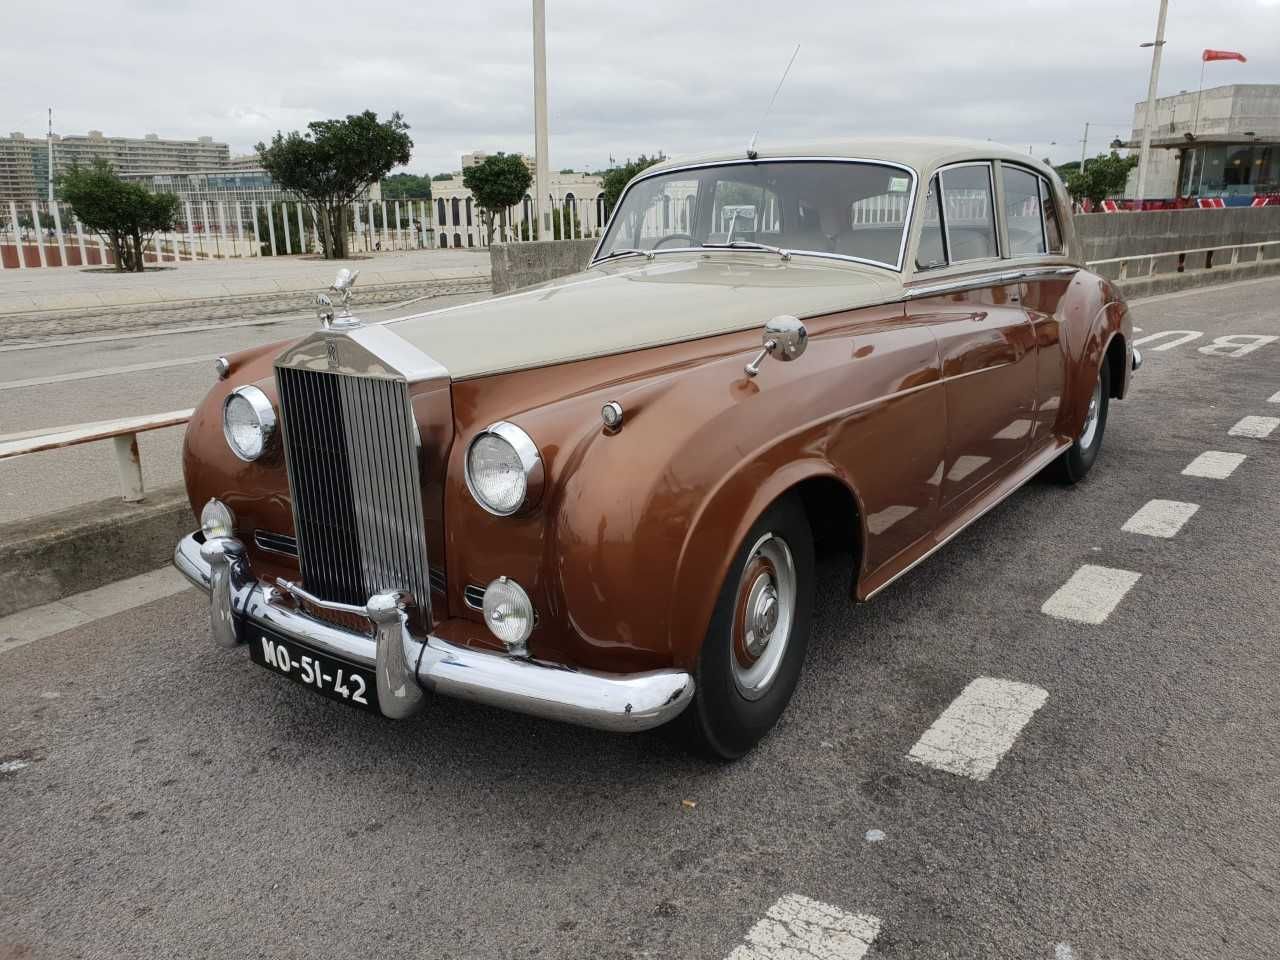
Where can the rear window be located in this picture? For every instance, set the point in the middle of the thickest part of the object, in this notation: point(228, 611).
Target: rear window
point(968, 213)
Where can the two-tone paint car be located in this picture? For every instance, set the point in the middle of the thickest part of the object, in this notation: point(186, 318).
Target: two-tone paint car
point(599, 499)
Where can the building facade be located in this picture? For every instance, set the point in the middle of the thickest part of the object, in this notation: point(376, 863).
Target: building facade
point(24, 161)
point(575, 201)
point(1221, 143)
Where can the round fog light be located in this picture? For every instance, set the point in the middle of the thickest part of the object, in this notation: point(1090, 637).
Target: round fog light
point(508, 613)
point(216, 520)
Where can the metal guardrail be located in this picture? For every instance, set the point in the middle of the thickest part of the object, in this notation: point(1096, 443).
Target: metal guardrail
point(123, 434)
point(1180, 264)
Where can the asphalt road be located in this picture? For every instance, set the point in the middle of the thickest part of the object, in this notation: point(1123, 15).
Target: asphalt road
point(94, 378)
point(163, 798)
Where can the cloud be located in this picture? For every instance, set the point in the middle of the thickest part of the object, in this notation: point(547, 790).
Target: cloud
point(624, 78)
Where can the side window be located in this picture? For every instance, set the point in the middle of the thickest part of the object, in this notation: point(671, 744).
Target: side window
point(1052, 229)
point(1022, 211)
point(931, 252)
point(968, 212)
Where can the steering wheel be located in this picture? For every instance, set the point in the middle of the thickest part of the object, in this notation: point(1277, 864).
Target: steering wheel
point(677, 236)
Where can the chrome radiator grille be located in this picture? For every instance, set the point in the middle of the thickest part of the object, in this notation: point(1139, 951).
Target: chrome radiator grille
point(351, 451)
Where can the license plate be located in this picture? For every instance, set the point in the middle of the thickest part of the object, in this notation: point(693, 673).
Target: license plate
point(326, 675)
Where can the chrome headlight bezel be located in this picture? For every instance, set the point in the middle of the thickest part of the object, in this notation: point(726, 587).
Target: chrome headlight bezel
point(526, 455)
point(265, 413)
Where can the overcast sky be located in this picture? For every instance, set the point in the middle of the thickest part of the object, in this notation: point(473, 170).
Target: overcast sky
point(625, 78)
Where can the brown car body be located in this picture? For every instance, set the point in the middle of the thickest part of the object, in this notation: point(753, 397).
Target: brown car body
point(923, 399)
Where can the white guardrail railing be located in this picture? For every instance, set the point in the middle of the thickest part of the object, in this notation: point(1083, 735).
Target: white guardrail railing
point(124, 432)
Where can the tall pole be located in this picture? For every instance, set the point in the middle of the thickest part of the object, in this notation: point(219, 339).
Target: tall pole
point(1195, 124)
point(51, 154)
point(1149, 118)
point(1084, 145)
point(541, 165)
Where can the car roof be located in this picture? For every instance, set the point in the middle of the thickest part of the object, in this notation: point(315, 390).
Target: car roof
point(922, 154)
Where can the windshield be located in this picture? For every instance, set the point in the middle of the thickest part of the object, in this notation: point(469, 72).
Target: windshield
point(849, 209)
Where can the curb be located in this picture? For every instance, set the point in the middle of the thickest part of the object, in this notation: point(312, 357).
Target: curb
point(61, 554)
point(1135, 288)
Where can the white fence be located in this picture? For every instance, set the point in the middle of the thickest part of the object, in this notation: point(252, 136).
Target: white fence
point(37, 233)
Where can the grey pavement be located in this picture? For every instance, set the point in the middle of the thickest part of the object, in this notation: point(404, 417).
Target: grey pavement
point(163, 798)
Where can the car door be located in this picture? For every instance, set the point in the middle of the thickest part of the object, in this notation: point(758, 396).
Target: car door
point(986, 341)
point(1032, 231)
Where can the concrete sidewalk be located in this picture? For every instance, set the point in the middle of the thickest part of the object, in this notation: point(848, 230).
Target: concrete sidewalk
point(36, 291)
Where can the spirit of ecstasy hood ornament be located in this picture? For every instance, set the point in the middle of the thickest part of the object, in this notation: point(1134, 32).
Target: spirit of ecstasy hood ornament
point(324, 304)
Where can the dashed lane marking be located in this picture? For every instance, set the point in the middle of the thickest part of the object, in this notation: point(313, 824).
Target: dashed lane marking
point(1160, 518)
point(1274, 398)
point(1214, 464)
point(796, 927)
point(1258, 428)
point(1091, 594)
point(978, 727)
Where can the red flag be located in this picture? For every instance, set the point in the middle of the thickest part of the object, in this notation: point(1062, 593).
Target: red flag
point(1222, 55)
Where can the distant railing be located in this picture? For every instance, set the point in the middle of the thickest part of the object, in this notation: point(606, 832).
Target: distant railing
point(38, 233)
point(1176, 261)
point(122, 433)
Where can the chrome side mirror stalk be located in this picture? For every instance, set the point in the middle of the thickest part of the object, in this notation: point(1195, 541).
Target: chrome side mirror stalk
point(785, 339)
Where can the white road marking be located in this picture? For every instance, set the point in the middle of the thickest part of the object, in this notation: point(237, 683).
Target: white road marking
point(874, 836)
point(1258, 428)
point(1237, 344)
point(1063, 951)
point(108, 372)
point(36, 623)
point(978, 727)
point(1160, 518)
point(1091, 594)
point(1274, 398)
point(1214, 464)
point(797, 928)
point(1186, 337)
point(13, 766)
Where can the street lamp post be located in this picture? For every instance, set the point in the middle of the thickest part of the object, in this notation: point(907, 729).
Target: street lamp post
point(1148, 118)
point(541, 164)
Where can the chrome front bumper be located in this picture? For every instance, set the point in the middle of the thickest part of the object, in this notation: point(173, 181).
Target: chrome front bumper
point(1137, 358)
point(406, 666)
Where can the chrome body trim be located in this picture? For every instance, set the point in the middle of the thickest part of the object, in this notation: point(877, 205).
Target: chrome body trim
point(530, 462)
point(406, 665)
point(1137, 359)
point(977, 281)
point(906, 220)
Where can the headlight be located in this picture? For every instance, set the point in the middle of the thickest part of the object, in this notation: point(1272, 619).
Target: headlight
point(508, 613)
point(504, 470)
point(248, 422)
point(216, 520)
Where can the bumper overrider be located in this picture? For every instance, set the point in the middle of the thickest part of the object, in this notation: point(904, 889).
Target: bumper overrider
point(407, 667)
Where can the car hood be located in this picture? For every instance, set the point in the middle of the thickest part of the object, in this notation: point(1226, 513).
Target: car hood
point(621, 306)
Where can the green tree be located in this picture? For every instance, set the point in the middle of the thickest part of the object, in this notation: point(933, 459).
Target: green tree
point(124, 214)
point(443, 176)
point(616, 180)
point(406, 186)
point(501, 181)
point(333, 163)
point(298, 244)
point(1102, 177)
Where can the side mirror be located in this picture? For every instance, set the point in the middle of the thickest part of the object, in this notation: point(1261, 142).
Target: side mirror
point(785, 339)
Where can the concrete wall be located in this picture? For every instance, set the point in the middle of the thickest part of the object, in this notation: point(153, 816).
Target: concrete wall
point(516, 265)
point(1109, 235)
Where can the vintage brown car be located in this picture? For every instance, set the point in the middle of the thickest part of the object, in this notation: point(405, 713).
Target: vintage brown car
point(597, 499)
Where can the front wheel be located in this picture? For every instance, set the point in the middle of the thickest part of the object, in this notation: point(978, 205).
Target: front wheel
point(1073, 465)
point(754, 648)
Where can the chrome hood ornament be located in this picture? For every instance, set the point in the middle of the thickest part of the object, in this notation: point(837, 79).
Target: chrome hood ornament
point(342, 285)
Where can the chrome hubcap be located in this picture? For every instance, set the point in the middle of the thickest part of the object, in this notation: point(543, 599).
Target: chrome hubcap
point(1091, 418)
point(763, 615)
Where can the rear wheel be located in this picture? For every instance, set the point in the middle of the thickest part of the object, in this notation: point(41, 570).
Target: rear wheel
point(1073, 465)
point(754, 648)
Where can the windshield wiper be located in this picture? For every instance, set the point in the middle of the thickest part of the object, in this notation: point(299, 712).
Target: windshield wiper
point(628, 252)
point(749, 245)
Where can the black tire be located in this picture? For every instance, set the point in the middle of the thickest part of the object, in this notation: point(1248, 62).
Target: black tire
point(1074, 465)
point(722, 722)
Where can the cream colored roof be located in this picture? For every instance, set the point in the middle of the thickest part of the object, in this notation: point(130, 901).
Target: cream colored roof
point(922, 154)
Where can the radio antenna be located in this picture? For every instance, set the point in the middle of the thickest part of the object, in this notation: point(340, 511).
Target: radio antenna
point(751, 147)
